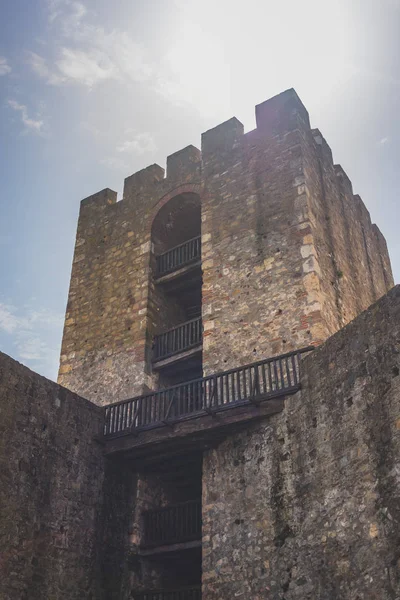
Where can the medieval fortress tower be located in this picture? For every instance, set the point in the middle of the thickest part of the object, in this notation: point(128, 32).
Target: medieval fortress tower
point(226, 423)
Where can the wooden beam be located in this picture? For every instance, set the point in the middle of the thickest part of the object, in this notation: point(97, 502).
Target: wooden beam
point(170, 548)
point(178, 357)
point(191, 434)
point(170, 277)
point(132, 427)
point(165, 421)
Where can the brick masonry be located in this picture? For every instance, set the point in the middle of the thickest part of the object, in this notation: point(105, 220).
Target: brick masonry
point(289, 254)
point(307, 505)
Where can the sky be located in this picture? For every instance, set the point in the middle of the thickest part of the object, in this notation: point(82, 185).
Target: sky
point(92, 91)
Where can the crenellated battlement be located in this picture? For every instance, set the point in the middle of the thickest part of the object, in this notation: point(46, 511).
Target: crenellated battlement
point(142, 180)
point(276, 116)
point(184, 165)
point(288, 254)
point(282, 113)
point(344, 179)
point(103, 198)
point(223, 137)
point(324, 148)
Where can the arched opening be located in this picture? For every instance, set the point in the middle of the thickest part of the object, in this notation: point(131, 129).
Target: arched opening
point(175, 290)
point(176, 222)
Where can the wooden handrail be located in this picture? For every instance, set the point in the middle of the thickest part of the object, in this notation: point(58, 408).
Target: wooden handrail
point(172, 524)
point(187, 593)
point(179, 256)
point(178, 339)
point(252, 383)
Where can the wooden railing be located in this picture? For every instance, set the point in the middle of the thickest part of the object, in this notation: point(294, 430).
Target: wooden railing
point(185, 336)
point(178, 257)
point(192, 593)
point(172, 524)
point(253, 383)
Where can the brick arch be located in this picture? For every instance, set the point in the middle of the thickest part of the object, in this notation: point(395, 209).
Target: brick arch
point(194, 188)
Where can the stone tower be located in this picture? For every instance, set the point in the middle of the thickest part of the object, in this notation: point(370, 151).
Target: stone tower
point(255, 247)
point(282, 255)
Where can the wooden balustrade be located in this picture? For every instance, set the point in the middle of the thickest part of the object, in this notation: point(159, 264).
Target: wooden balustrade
point(179, 256)
point(180, 338)
point(172, 524)
point(253, 383)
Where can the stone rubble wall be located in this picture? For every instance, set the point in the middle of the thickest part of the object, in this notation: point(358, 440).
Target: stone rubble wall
point(51, 489)
point(289, 254)
point(260, 276)
point(110, 316)
point(302, 505)
point(306, 505)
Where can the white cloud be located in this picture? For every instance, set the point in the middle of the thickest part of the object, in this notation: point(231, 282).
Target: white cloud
point(85, 54)
point(31, 333)
point(8, 320)
point(26, 319)
point(95, 131)
point(135, 144)
point(4, 66)
point(86, 68)
point(69, 12)
point(99, 57)
point(32, 349)
point(140, 144)
point(40, 67)
point(34, 125)
point(54, 9)
point(116, 163)
point(93, 56)
point(44, 317)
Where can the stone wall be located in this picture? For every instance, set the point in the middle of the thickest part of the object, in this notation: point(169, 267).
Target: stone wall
point(307, 504)
point(51, 485)
point(103, 349)
point(289, 254)
point(353, 264)
point(258, 298)
point(112, 306)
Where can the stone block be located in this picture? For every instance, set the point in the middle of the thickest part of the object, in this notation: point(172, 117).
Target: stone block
point(221, 138)
point(281, 114)
point(143, 181)
point(184, 164)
